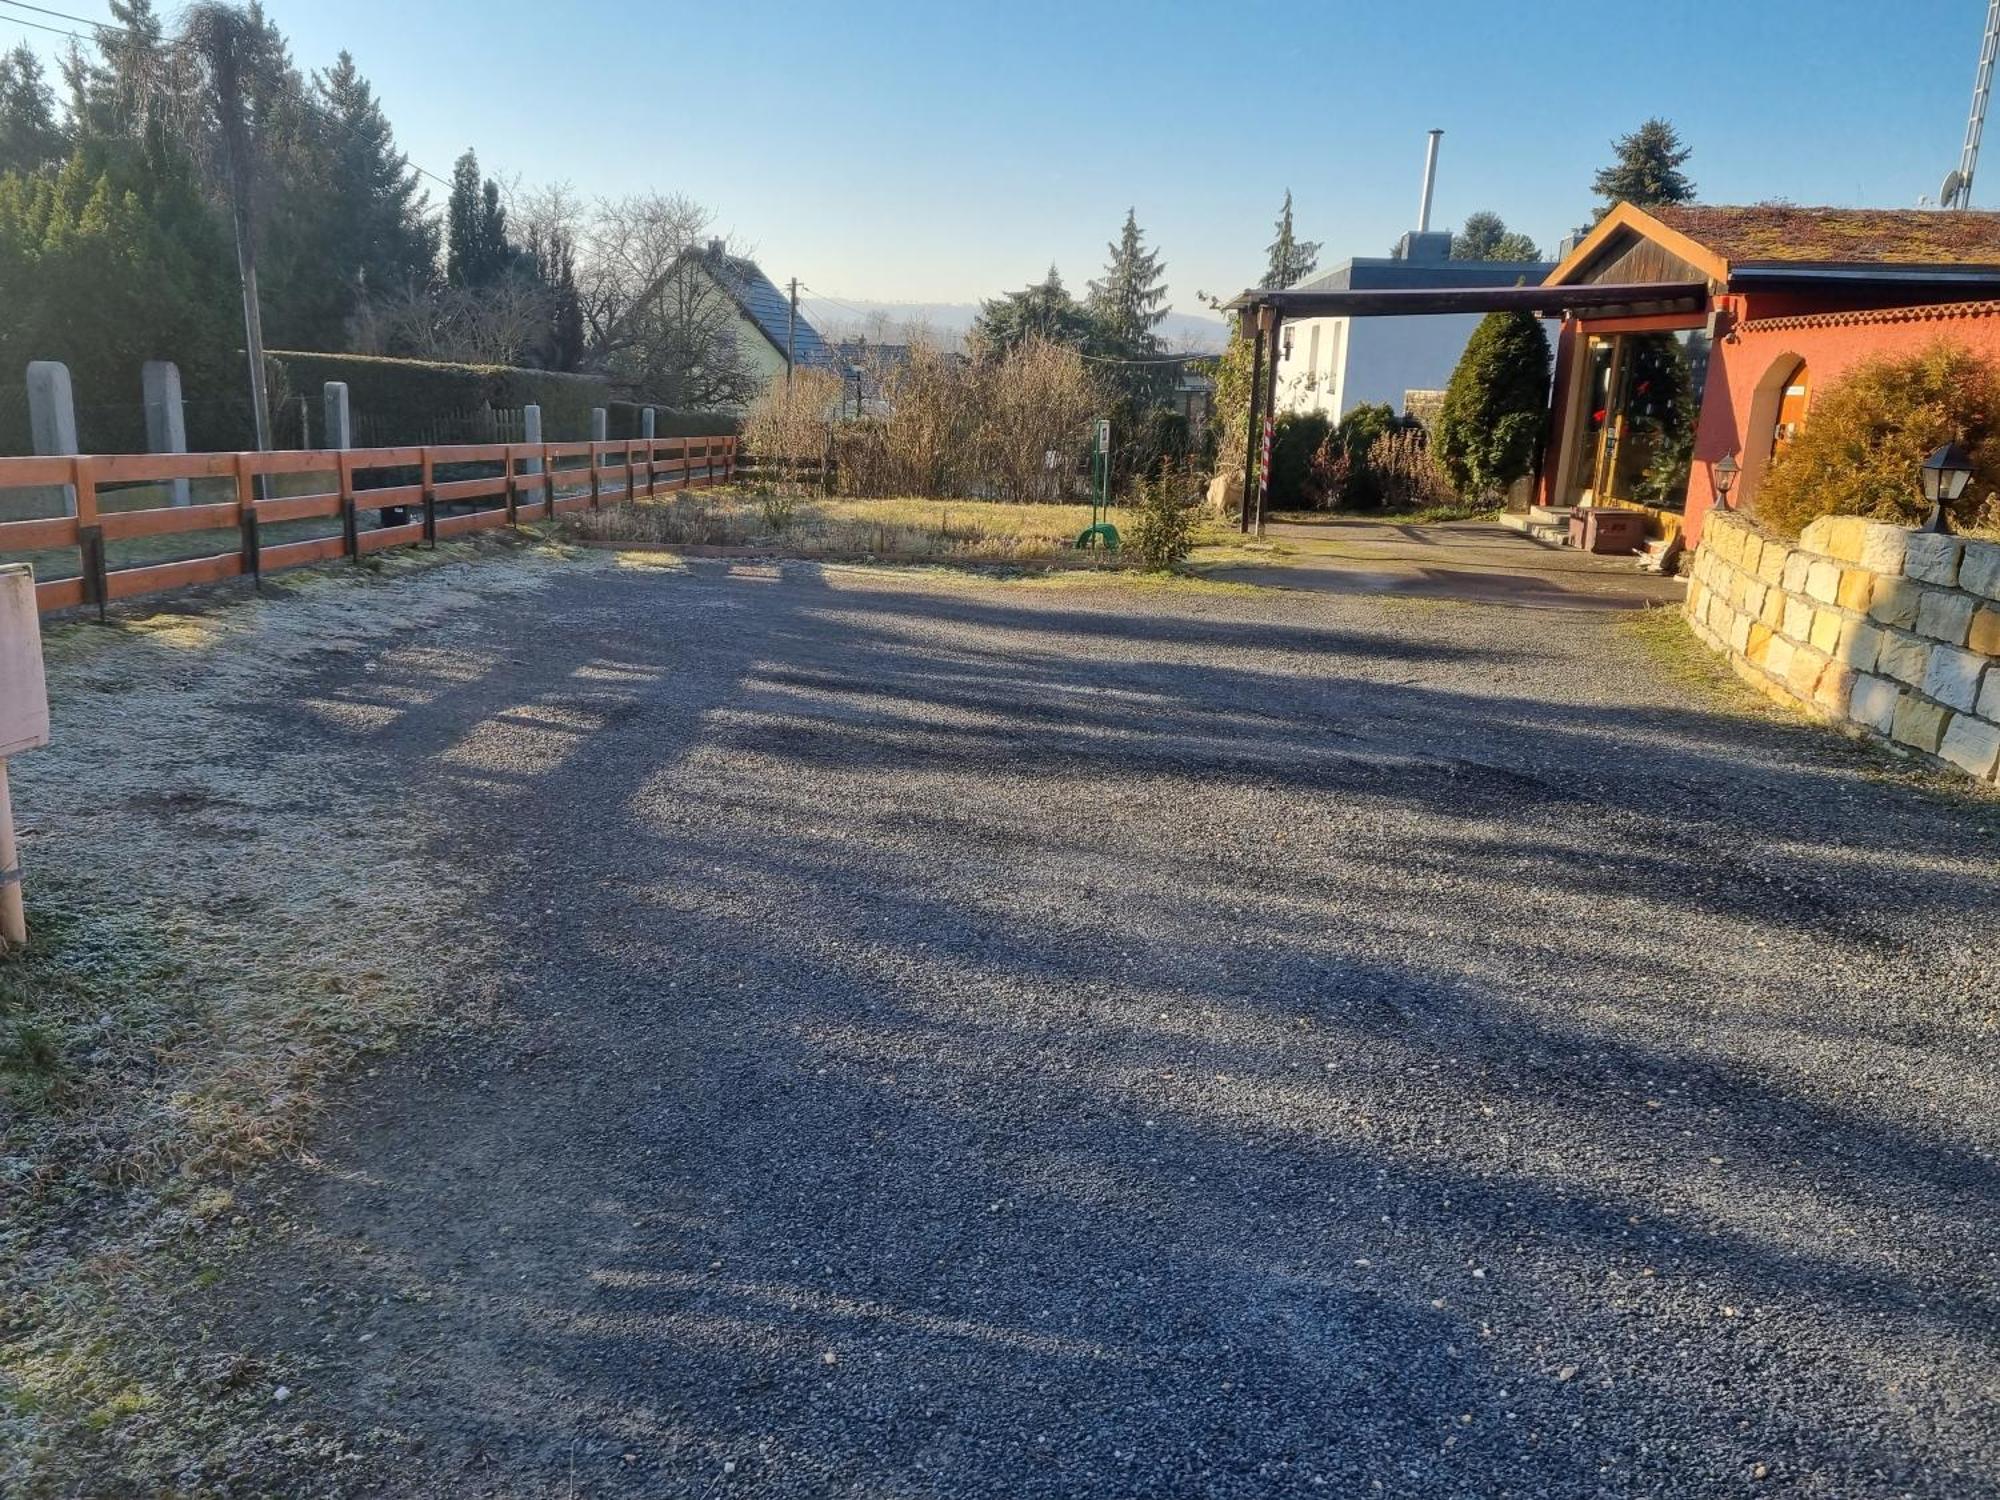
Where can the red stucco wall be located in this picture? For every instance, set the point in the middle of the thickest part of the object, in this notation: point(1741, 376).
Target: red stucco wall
point(1742, 360)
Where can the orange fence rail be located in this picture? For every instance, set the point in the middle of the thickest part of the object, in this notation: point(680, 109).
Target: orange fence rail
point(527, 482)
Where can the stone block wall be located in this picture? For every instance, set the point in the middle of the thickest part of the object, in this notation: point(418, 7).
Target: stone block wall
point(1890, 633)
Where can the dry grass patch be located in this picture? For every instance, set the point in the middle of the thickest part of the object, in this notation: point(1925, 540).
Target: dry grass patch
point(949, 531)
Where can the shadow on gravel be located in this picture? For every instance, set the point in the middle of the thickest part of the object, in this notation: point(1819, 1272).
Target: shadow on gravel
point(978, 1046)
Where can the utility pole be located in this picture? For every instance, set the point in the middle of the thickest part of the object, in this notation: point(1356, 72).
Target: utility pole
point(791, 330)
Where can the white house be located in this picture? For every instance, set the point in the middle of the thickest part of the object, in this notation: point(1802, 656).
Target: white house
point(1333, 365)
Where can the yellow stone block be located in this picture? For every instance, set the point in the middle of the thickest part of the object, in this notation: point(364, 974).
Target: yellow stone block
point(1985, 636)
point(1802, 673)
point(1857, 589)
point(1826, 627)
point(1759, 642)
point(1773, 613)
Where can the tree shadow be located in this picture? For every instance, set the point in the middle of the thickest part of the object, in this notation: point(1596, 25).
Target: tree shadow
point(1148, 1073)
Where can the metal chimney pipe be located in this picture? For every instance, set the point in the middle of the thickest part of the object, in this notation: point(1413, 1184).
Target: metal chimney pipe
point(1430, 182)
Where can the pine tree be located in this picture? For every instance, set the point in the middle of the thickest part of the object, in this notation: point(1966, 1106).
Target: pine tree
point(1490, 425)
point(1648, 169)
point(1044, 310)
point(1291, 259)
point(476, 250)
point(30, 138)
point(1486, 236)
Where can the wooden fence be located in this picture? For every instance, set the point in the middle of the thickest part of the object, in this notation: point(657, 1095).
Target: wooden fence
point(526, 482)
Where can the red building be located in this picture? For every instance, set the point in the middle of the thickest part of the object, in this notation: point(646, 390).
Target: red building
point(1776, 302)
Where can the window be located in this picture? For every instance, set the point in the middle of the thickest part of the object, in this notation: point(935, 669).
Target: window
point(1793, 398)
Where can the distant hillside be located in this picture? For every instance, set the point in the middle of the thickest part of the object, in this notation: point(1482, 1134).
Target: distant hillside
point(949, 321)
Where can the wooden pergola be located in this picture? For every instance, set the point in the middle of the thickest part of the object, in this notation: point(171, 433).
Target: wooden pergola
point(1265, 312)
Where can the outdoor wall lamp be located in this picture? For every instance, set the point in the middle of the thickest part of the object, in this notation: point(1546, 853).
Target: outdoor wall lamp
point(1946, 474)
point(1722, 475)
point(1288, 343)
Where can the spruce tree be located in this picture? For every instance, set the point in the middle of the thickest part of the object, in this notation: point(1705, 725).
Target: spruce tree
point(1490, 426)
point(375, 200)
point(30, 138)
point(1648, 171)
point(1486, 236)
point(1127, 301)
point(1126, 306)
point(1291, 260)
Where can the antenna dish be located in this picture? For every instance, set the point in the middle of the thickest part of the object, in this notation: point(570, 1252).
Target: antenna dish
point(1954, 185)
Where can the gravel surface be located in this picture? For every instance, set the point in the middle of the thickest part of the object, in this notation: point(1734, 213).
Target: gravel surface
point(995, 1040)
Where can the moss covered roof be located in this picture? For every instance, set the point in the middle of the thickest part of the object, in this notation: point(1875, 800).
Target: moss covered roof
point(1848, 236)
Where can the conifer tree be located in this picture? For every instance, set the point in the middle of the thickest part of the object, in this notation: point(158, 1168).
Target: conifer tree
point(476, 250)
point(30, 137)
point(1490, 426)
point(1127, 301)
point(1291, 260)
point(1044, 310)
point(1648, 169)
point(1486, 236)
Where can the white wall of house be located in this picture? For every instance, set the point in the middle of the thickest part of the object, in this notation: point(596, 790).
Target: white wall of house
point(1337, 364)
point(1309, 380)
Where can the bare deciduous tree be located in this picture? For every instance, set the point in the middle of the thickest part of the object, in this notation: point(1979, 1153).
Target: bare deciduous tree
point(655, 299)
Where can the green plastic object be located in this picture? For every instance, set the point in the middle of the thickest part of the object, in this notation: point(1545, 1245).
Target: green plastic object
point(1102, 534)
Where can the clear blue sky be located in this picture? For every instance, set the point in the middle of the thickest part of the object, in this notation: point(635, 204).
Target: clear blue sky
point(895, 150)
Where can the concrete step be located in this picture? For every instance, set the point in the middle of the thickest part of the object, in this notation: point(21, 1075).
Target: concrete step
point(1550, 515)
point(1548, 533)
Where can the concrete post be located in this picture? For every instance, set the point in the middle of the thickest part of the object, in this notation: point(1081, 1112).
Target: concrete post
point(166, 416)
point(600, 425)
point(52, 416)
point(648, 422)
point(339, 416)
point(531, 432)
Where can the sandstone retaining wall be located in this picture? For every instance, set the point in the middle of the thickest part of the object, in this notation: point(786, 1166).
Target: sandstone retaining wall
point(1891, 633)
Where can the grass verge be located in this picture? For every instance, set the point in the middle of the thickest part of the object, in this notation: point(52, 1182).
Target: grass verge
point(231, 903)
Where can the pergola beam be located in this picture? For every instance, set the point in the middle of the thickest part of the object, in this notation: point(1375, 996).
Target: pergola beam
point(1629, 298)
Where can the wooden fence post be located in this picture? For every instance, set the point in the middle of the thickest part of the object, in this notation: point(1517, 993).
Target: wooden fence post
point(429, 476)
point(246, 521)
point(507, 486)
point(350, 521)
point(89, 535)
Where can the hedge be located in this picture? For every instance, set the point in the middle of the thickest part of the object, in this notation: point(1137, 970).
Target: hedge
point(403, 399)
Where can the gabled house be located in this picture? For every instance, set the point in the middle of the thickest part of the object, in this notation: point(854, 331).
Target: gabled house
point(769, 330)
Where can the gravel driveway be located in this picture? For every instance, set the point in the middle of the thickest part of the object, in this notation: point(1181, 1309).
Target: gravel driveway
point(1001, 1041)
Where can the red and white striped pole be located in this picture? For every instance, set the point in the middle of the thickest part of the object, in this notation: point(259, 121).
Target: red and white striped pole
point(1264, 472)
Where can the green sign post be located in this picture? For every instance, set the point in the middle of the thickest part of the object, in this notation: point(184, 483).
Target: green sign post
point(1100, 532)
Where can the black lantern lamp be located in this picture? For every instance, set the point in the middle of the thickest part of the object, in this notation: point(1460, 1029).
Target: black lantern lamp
point(1722, 475)
point(1946, 474)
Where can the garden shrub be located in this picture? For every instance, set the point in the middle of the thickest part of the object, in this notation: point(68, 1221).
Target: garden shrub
point(1408, 471)
point(1866, 436)
point(1163, 524)
point(1297, 439)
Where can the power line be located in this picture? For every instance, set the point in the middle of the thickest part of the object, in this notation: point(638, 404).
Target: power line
point(51, 30)
point(61, 15)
